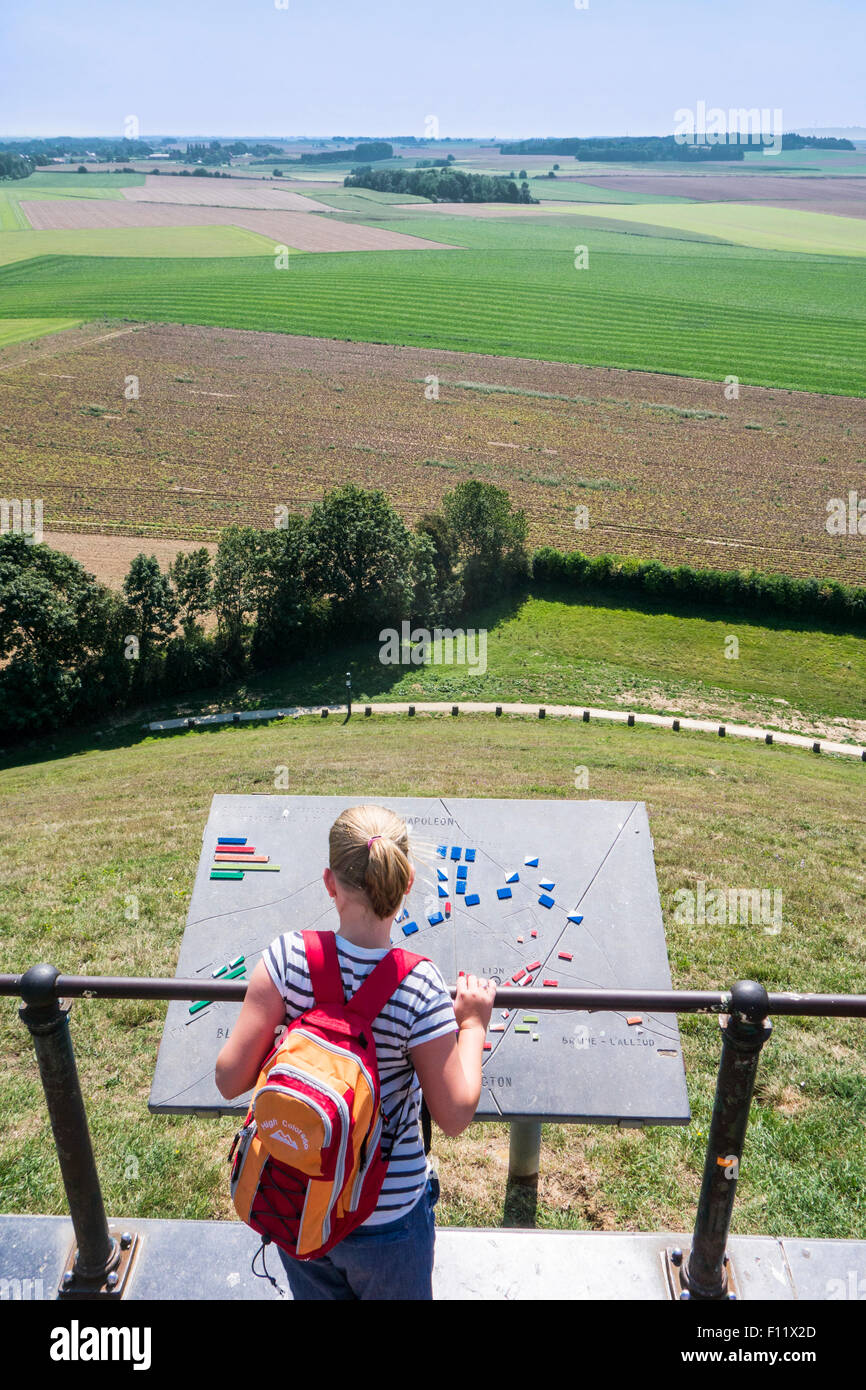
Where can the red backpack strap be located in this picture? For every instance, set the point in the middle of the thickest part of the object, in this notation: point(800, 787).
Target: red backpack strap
point(320, 948)
point(371, 998)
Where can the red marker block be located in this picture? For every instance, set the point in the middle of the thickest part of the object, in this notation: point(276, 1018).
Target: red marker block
point(637, 1019)
point(447, 909)
point(236, 849)
point(535, 933)
point(518, 977)
point(534, 966)
point(496, 1028)
point(529, 979)
point(488, 1047)
point(554, 983)
point(566, 955)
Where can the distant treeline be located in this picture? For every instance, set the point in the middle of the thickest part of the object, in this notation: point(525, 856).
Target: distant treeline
point(636, 149)
point(73, 650)
point(645, 148)
point(106, 149)
point(369, 153)
point(442, 185)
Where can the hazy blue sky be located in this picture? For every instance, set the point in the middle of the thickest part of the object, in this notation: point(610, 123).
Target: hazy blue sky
point(381, 67)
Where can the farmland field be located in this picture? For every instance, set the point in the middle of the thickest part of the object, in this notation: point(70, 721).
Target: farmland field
point(25, 330)
point(229, 424)
point(182, 243)
point(665, 303)
point(774, 229)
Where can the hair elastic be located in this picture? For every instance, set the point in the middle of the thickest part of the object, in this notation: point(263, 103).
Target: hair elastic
point(374, 837)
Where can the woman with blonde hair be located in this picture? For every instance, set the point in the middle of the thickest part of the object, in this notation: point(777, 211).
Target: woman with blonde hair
point(424, 1043)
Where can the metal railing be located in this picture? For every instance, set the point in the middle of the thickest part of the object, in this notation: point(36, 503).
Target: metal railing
point(99, 1263)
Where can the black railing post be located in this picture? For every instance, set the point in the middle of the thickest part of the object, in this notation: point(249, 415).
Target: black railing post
point(744, 1032)
point(98, 1252)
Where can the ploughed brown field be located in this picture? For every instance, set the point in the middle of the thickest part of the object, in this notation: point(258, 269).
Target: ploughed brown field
point(230, 425)
point(834, 194)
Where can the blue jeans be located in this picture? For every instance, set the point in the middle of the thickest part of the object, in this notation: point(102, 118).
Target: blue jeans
point(392, 1261)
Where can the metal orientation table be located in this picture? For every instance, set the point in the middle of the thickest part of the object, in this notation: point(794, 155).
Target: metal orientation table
point(567, 1067)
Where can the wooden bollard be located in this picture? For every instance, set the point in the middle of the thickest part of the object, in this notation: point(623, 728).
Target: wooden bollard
point(455, 709)
point(542, 713)
point(631, 721)
point(368, 710)
point(586, 716)
point(411, 711)
point(768, 738)
point(721, 731)
point(676, 726)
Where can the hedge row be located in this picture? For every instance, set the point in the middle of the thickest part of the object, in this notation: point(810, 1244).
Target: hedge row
point(749, 590)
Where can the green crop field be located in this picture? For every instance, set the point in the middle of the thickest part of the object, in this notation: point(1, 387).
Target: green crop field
point(772, 229)
point(161, 242)
point(25, 330)
point(651, 303)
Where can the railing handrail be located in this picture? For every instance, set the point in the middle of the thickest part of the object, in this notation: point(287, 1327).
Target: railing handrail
point(579, 1000)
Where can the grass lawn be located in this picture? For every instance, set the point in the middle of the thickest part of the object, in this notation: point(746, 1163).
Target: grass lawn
point(730, 814)
point(597, 651)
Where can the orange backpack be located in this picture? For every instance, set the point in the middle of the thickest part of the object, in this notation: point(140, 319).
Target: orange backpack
point(307, 1164)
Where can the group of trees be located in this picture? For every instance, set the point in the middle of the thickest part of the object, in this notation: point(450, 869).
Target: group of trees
point(638, 149)
point(368, 152)
point(73, 649)
point(15, 166)
point(106, 148)
point(442, 185)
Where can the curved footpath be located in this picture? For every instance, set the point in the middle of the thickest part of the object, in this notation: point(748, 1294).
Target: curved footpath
point(583, 712)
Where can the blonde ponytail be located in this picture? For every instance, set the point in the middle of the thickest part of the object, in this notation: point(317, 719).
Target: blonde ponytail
point(370, 853)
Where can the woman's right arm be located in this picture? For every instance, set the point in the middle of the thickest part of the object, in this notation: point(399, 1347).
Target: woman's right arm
point(449, 1068)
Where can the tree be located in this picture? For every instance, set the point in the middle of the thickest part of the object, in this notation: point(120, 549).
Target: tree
point(489, 536)
point(60, 638)
point(360, 556)
point(192, 577)
point(81, 169)
point(522, 174)
point(152, 605)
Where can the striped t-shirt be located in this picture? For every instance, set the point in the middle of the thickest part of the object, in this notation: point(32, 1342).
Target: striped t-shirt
point(419, 1010)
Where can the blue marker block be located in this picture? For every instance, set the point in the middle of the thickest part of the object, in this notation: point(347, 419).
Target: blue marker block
point(442, 875)
point(443, 891)
point(472, 900)
point(409, 928)
point(460, 886)
point(575, 917)
point(435, 918)
point(462, 871)
point(503, 892)
point(513, 878)
point(546, 900)
point(456, 851)
point(547, 884)
point(442, 851)
point(531, 862)
point(229, 840)
point(470, 856)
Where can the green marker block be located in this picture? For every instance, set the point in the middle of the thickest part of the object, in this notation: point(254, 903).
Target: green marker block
point(233, 974)
point(244, 869)
point(238, 960)
point(529, 1018)
point(519, 1029)
point(202, 1004)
